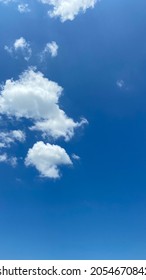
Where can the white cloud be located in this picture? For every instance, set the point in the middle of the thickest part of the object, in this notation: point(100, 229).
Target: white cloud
point(3, 158)
point(24, 46)
point(68, 9)
point(18, 135)
point(7, 138)
point(12, 161)
point(47, 158)
point(23, 8)
point(2, 145)
point(9, 160)
point(20, 45)
point(52, 48)
point(8, 49)
point(120, 83)
point(76, 157)
point(58, 126)
point(36, 98)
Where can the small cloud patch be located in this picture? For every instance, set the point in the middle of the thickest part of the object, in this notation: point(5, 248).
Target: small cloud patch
point(23, 8)
point(47, 158)
point(20, 46)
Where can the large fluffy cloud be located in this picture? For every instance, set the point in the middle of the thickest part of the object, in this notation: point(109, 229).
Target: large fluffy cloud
point(35, 97)
point(68, 9)
point(47, 158)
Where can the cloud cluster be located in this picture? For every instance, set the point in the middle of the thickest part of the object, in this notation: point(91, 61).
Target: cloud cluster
point(36, 98)
point(20, 46)
point(6, 140)
point(23, 48)
point(47, 158)
point(68, 9)
point(64, 9)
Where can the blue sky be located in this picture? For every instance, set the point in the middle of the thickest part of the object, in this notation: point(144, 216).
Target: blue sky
point(76, 188)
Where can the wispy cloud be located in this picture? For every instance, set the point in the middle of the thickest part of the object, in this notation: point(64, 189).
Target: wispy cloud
point(7, 138)
point(21, 46)
point(51, 48)
point(23, 8)
point(120, 83)
point(4, 158)
point(6, 1)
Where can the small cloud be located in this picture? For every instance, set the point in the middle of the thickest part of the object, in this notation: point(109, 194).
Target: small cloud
point(9, 160)
point(7, 138)
point(76, 157)
point(120, 83)
point(23, 8)
point(24, 46)
point(20, 45)
point(2, 145)
point(47, 158)
point(3, 158)
point(8, 49)
point(12, 161)
point(51, 48)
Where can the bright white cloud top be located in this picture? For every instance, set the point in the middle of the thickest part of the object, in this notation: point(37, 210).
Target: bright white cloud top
point(68, 9)
point(36, 98)
point(64, 9)
point(47, 158)
point(20, 45)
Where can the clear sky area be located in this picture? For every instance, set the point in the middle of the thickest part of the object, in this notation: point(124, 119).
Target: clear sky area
point(73, 129)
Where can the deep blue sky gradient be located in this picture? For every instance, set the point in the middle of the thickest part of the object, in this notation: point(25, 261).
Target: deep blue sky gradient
point(97, 210)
